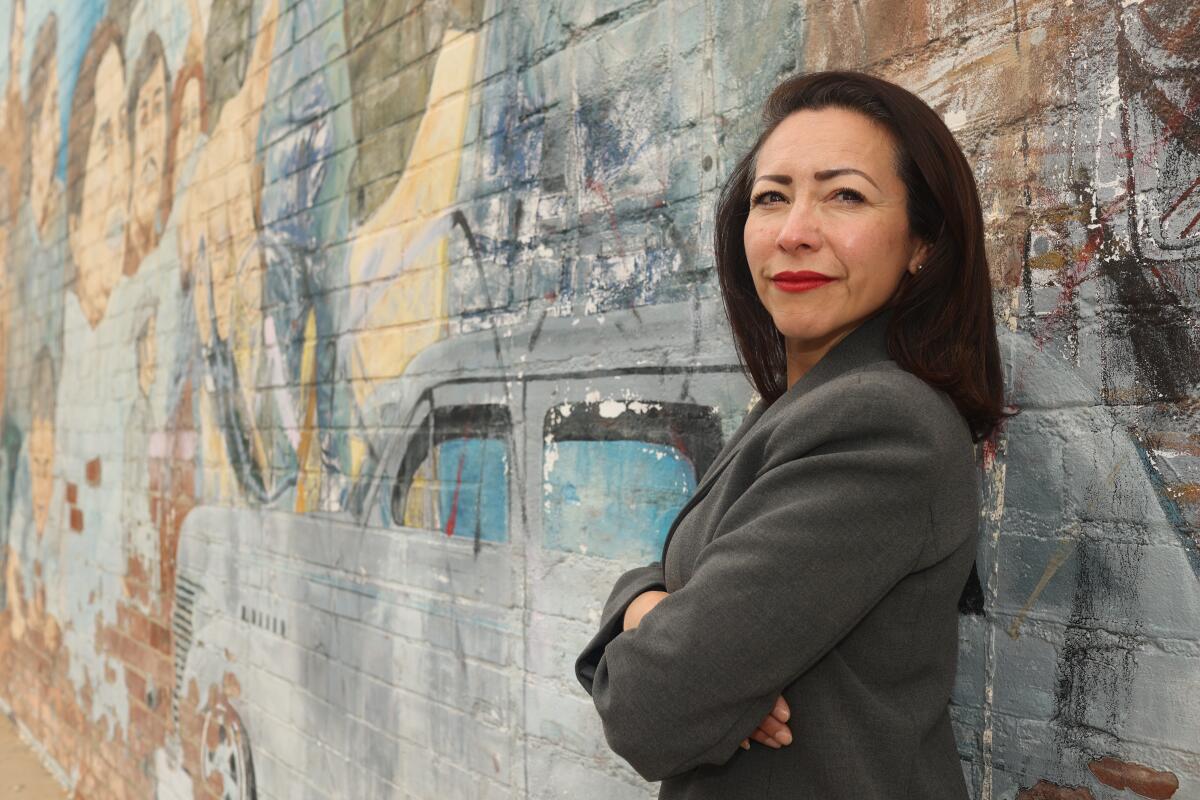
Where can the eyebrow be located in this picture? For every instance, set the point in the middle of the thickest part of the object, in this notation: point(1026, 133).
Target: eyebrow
point(821, 175)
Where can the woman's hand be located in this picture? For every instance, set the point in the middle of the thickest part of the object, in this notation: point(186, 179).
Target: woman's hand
point(640, 606)
point(771, 731)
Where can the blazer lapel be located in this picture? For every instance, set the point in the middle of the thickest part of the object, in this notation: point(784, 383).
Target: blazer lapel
point(866, 344)
point(731, 447)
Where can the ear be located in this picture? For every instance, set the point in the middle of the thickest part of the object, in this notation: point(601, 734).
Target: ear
point(919, 256)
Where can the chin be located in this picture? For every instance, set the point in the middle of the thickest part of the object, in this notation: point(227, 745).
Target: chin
point(811, 327)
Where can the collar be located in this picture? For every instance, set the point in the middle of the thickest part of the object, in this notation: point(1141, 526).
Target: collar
point(866, 344)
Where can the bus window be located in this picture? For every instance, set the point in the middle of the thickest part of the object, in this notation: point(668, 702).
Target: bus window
point(454, 475)
point(616, 474)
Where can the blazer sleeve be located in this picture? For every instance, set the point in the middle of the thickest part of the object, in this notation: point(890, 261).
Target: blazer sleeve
point(818, 538)
point(636, 581)
point(612, 618)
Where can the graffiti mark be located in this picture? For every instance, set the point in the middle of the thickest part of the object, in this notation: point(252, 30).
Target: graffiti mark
point(1060, 556)
point(1065, 548)
point(456, 448)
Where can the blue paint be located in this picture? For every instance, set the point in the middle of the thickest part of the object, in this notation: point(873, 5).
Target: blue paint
point(614, 499)
point(482, 497)
point(76, 21)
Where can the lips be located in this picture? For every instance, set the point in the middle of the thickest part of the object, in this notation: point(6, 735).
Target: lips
point(801, 281)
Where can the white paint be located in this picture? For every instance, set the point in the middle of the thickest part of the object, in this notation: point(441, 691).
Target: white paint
point(611, 409)
point(956, 119)
point(171, 779)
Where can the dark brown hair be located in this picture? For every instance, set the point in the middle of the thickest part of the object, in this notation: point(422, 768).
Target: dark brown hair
point(40, 83)
point(83, 110)
point(39, 68)
point(942, 328)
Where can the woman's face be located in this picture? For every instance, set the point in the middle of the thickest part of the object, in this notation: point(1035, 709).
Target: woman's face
point(827, 203)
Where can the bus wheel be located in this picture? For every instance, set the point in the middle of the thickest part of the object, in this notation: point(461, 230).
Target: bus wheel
point(225, 751)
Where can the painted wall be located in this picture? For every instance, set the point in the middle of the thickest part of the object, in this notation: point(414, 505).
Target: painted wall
point(352, 349)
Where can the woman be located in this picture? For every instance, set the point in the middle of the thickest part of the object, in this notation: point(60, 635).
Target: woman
point(807, 595)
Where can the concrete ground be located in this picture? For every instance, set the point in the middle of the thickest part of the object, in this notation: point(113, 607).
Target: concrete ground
point(22, 776)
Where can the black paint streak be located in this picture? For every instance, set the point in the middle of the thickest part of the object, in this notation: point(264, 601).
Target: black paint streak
point(1098, 658)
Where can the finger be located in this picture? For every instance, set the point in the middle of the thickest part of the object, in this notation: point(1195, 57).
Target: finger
point(763, 738)
point(776, 730)
point(745, 744)
point(781, 711)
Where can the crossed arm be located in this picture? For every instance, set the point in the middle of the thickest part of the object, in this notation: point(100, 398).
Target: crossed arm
point(798, 560)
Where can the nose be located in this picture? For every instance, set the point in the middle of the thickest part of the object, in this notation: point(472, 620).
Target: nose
point(800, 230)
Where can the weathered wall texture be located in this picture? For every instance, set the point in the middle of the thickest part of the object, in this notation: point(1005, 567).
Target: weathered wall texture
point(351, 350)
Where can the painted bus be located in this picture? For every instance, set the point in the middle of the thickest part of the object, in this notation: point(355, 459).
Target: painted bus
point(508, 474)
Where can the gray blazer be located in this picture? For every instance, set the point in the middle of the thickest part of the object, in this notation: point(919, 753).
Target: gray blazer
point(821, 557)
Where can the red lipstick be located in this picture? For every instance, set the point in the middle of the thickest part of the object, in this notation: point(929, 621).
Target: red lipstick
point(800, 281)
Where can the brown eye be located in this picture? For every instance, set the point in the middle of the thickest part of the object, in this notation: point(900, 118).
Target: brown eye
point(848, 196)
point(766, 196)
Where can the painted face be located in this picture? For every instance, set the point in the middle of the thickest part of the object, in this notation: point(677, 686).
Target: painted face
point(150, 149)
point(189, 125)
point(98, 234)
point(827, 202)
point(41, 469)
point(46, 136)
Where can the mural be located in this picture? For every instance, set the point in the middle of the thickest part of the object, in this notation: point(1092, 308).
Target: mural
point(350, 350)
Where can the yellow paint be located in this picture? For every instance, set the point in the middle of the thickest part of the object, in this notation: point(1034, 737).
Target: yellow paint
point(219, 483)
point(219, 210)
point(308, 458)
point(409, 312)
point(1052, 260)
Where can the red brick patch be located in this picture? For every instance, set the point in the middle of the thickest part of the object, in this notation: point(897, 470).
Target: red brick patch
point(1152, 783)
point(93, 472)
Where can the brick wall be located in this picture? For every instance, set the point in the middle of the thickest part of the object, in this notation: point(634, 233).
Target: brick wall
point(351, 349)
